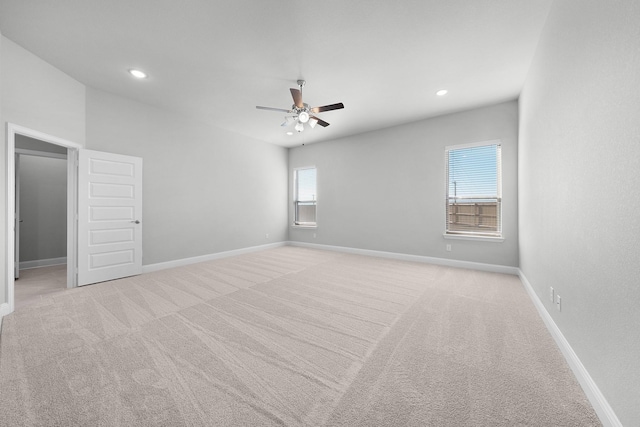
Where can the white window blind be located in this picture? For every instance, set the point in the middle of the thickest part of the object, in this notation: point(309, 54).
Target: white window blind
point(305, 196)
point(474, 190)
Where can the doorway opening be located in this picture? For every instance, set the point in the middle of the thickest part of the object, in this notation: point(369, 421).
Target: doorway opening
point(41, 219)
point(18, 144)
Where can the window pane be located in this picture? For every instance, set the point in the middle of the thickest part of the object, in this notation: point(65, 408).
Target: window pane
point(473, 204)
point(306, 184)
point(305, 196)
point(306, 212)
point(472, 172)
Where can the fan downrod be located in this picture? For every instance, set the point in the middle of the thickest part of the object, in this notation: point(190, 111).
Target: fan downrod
point(301, 83)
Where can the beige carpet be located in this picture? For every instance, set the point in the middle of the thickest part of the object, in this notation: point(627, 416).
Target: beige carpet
point(288, 336)
point(38, 283)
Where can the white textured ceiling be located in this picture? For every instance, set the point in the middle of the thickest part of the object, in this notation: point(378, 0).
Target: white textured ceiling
point(216, 60)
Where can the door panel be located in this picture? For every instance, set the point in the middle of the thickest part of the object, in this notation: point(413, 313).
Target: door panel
point(109, 216)
point(116, 235)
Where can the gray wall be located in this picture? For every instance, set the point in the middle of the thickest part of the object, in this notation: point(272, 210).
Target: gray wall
point(28, 143)
point(384, 190)
point(43, 197)
point(206, 190)
point(43, 208)
point(579, 190)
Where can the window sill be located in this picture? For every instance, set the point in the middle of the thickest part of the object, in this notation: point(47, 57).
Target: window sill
point(477, 238)
point(303, 226)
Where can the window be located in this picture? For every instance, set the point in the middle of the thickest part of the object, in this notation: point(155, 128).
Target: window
point(304, 196)
point(474, 190)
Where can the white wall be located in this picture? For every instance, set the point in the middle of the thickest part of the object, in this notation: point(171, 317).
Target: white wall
point(43, 208)
point(579, 189)
point(40, 97)
point(206, 190)
point(384, 190)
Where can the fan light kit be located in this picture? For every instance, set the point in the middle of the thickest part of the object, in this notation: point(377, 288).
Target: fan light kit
point(302, 113)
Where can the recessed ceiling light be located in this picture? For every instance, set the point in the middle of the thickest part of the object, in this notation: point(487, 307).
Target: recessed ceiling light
point(137, 73)
point(442, 92)
point(289, 133)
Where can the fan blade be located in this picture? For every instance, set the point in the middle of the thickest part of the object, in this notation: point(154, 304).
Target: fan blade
point(320, 122)
point(273, 109)
point(337, 106)
point(297, 97)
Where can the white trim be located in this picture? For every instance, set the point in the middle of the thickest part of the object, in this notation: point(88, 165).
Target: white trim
point(10, 216)
point(72, 147)
point(4, 310)
point(72, 219)
point(447, 150)
point(473, 144)
point(504, 269)
point(295, 197)
point(25, 265)
point(210, 257)
point(595, 396)
point(17, 129)
point(471, 237)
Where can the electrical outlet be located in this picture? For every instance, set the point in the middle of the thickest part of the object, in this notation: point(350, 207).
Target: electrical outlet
point(551, 295)
point(314, 235)
point(266, 236)
point(449, 248)
point(558, 303)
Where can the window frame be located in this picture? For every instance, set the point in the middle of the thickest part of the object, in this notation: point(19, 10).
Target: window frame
point(297, 223)
point(497, 236)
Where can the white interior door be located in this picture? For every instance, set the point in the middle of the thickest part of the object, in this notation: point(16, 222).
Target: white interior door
point(109, 216)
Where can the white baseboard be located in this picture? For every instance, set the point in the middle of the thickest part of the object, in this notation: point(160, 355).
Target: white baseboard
point(505, 269)
point(25, 265)
point(607, 417)
point(203, 258)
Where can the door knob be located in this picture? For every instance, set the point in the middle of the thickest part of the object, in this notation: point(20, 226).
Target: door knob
point(136, 222)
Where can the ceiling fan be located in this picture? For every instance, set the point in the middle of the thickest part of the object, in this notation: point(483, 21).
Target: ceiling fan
point(301, 111)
